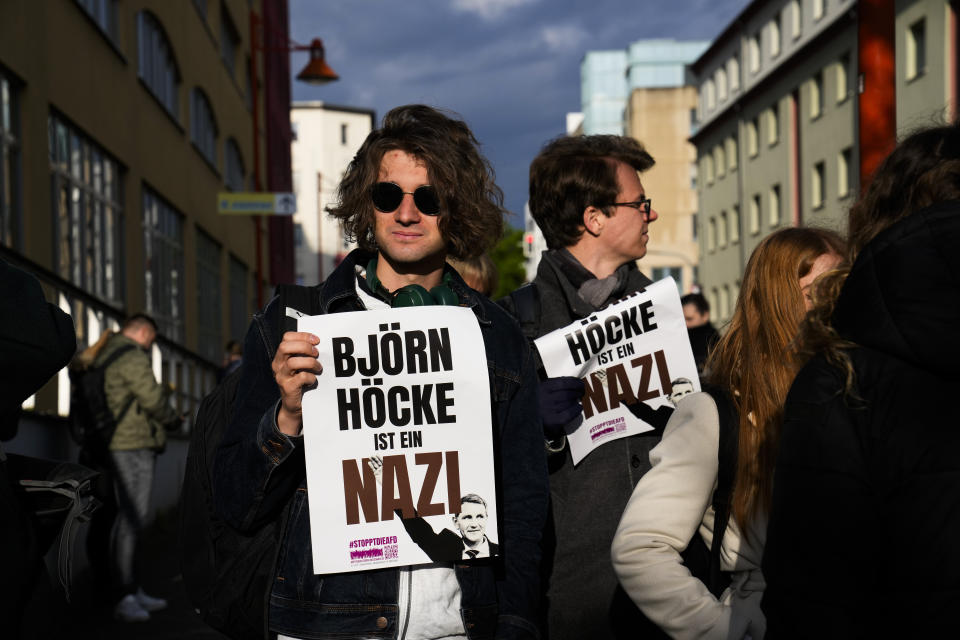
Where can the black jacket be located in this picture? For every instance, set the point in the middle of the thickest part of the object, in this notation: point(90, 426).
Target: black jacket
point(865, 520)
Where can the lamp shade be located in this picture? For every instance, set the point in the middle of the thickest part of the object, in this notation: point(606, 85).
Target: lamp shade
point(317, 71)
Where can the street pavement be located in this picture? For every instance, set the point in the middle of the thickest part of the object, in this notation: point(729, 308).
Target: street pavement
point(159, 571)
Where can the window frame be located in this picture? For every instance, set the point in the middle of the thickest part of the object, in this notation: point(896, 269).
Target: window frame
point(11, 164)
point(164, 227)
point(161, 77)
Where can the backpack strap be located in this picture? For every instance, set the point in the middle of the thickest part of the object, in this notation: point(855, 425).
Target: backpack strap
point(526, 309)
point(727, 470)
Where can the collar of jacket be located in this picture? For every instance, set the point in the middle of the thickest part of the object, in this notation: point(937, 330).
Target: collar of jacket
point(559, 267)
point(340, 288)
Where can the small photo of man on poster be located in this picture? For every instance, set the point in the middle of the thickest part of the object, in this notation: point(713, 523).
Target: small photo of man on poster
point(468, 542)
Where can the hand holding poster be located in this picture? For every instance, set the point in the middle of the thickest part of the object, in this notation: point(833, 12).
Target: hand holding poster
point(629, 356)
point(396, 433)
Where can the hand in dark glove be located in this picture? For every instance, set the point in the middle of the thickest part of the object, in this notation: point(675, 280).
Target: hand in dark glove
point(560, 406)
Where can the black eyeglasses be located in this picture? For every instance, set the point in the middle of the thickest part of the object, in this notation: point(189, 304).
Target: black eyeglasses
point(643, 205)
point(387, 196)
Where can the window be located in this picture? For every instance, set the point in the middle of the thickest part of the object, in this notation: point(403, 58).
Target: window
point(721, 78)
point(752, 146)
point(229, 41)
point(158, 69)
point(708, 162)
point(844, 178)
point(818, 194)
point(795, 23)
point(725, 302)
point(713, 300)
point(343, 134)
point(164, 282)
point(104, 13)
point(773, 31)
point(88, 218)
point(732, 153)
point(693, 175)
point(720, 161)
point(755, 214)
point(773, 124)
point(817, 9)
point(710, 90)
point(712, 234)
point(659, 273)
point(754, 52)
point(298, 238)
point(722, 230)
point(235, 171)
point(248, 84)
point(239, 314)
point(203, 126)
point(210, 342)
point(816, 95)
point(733, 70)
point(695, 232)
point(9, 164)
point(916, 49)
point(843, 87)
point(774, 212)
point(735, 224)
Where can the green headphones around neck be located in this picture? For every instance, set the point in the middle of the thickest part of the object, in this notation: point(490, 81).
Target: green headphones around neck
point(412, 295)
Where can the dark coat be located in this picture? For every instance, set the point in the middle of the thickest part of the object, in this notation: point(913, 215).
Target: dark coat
point(584, 598)
point(865, 520)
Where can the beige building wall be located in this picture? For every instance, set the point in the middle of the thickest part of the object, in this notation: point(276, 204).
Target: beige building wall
point(60, 62)
point(926, 66)
point(660, 120)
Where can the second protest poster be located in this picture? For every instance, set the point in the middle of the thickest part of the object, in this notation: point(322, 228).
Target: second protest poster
point(630, 357)
point(397, 433)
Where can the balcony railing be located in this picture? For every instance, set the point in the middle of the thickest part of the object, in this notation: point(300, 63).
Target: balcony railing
point(190, 375)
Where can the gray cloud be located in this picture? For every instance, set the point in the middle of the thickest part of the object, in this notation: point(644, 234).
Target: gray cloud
point(511, 68)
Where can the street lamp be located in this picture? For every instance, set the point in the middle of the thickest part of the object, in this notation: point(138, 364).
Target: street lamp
point(315, 72)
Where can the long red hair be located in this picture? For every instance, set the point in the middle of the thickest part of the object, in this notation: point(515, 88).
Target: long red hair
point(755, 360)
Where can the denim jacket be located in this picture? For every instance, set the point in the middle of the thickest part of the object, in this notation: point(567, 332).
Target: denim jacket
point(260, 475)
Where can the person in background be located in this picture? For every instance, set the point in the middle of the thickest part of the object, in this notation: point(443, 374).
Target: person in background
point(865, 514)
point(143, 412)
point(232, 358)
point(703, 335)
point(478, 272)
point(753, 366)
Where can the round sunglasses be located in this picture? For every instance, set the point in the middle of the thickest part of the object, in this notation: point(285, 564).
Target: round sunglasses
point(387, 196)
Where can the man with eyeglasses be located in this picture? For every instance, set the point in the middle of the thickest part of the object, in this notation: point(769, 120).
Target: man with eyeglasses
point(587, 198)
point(417, 191)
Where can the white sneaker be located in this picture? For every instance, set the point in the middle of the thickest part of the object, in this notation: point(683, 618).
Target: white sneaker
point(150, 603)
point(129, 610)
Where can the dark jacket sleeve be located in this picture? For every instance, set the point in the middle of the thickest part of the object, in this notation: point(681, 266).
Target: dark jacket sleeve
point(819, 560)
point(37, 339)
point(525, 496)
point(445, 546)
point(257, 467)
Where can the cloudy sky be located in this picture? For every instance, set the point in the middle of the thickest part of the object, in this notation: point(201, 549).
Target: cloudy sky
point(511, 68)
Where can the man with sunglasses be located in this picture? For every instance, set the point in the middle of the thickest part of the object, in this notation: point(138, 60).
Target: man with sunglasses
point(587, 198)
point(417, 191)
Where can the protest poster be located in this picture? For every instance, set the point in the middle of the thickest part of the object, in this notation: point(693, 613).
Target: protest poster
point(629, 356)
point(399, 425)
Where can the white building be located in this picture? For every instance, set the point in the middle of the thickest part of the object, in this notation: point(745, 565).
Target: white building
point(325, 139)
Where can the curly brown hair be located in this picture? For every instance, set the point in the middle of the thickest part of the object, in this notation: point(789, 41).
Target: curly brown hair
point(573, 173)
point(472, 213)
point(923, 170)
